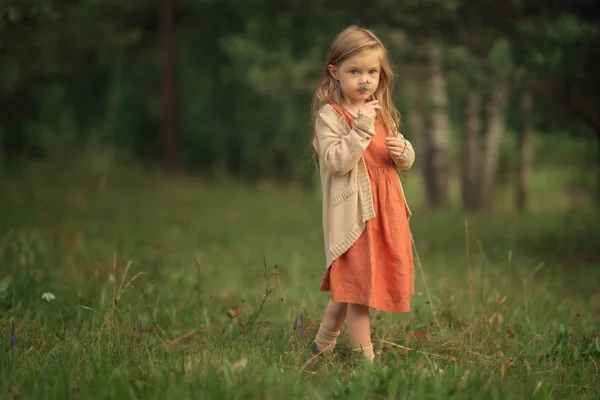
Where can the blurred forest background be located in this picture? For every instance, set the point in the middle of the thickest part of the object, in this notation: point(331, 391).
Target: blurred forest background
point(488, 91)
point(176, 134)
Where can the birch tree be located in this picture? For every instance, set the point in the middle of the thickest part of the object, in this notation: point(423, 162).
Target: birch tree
point(500, 67)
point(436, 137)
point(526, 152)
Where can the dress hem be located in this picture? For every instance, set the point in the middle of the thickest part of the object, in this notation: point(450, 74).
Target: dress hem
point(340, 299)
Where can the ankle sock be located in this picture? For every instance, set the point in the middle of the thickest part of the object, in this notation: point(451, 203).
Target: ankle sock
point(326, 340)
point(367, 351)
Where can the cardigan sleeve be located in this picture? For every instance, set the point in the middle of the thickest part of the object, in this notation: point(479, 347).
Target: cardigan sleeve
point(408, 158)
point(338, 151)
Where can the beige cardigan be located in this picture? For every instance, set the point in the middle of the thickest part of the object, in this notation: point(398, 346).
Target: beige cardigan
point(346, 190)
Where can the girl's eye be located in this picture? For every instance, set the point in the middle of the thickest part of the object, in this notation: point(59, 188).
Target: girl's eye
point(354, 72)
point(372, 72)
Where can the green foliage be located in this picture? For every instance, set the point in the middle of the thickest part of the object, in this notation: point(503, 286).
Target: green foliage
point(246, 72)
point(554, 39)
point(499, 59)
point(272, 109)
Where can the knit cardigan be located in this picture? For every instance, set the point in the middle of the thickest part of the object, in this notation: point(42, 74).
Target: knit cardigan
point(345, 184)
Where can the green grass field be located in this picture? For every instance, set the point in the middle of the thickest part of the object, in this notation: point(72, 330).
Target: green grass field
point(181, 288)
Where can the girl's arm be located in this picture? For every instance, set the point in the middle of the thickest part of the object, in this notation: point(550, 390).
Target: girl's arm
point(341, 152)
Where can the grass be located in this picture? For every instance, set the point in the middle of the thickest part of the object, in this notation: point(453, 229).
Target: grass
point(178, 288)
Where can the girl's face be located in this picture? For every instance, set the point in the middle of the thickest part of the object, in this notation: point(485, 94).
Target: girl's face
point(353, 73)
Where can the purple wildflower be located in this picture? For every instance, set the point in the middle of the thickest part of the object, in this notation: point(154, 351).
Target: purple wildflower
point(13, 336)
point(299, 324)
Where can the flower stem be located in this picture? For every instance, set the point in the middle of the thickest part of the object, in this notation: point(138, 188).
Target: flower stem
point(373, 98)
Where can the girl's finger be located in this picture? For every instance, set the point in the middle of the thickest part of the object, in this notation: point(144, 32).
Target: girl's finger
point(393, 146)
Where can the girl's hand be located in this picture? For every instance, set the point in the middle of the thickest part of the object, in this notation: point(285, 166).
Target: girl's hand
point(370, 108)
point(396, 146)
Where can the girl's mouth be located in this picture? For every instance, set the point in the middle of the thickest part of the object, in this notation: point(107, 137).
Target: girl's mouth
point(366, 87)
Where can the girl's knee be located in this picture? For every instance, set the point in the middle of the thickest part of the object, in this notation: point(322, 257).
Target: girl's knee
point(337, 309)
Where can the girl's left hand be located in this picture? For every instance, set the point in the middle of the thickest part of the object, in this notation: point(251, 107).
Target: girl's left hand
point(396, 146)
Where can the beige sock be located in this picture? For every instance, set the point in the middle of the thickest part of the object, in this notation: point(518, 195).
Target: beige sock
point(367, 351)
point(326, 340)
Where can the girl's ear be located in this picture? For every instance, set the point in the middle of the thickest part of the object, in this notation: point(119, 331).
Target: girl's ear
point(333, 71)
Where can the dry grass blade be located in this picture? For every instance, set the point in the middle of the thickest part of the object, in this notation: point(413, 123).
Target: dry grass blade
point(313, 358)
point(528, 343)
point(254, 317)
point(92, 310)
point(124, 276)
point(122, 287)
point(114, 279)
point(425, 282)
point(136, 276)
point(418, 351)
point(182, 337)
point(467, 350)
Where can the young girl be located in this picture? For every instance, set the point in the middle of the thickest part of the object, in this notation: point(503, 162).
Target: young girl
point(365, 216)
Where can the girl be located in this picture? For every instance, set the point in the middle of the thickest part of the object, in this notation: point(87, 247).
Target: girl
point(365, 216)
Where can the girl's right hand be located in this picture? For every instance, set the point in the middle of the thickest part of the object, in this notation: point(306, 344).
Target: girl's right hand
point(370, 108)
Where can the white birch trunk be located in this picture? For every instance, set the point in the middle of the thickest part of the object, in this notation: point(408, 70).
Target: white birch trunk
point(470, 162)
point(435, 165)
point(416, 122)
point(493, 141)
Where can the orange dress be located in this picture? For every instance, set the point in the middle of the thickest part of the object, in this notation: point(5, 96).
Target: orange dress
point(377, 270)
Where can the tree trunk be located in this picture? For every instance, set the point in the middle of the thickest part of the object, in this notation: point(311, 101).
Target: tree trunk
point(470, 151)
point(416, 122)
point(435, 163)
point(597, 196)
point(493, 140)
point(525, 154)
point(1, 147)
point(169, 88)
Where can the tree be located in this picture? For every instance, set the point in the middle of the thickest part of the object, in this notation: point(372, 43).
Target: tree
point(437, 135)
point(526, 153)
point(60, 97)
point(556, 43)
point(470, 157)
point(169, 88)
point(500, 68)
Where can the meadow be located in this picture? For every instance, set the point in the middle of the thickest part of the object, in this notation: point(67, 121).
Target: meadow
point(138, 285)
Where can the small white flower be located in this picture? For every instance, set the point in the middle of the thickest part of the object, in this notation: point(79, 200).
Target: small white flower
point(48, 296)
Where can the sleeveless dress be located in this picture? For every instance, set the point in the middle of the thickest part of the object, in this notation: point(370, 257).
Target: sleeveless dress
point(377, 270)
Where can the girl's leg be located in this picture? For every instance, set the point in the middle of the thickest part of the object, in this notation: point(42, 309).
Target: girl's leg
point(335, 314)
point(359, 329)
point(329, 330)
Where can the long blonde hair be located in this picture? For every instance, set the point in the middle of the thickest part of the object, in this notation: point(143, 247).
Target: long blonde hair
point(350, 42)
